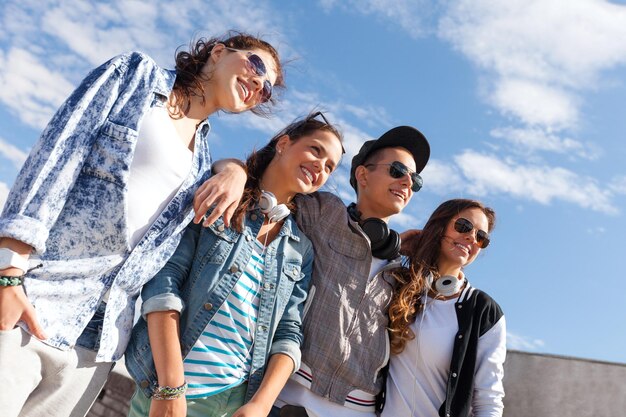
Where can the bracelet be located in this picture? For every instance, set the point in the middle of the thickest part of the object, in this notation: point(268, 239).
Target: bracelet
point(10, 281)
point(169, 393)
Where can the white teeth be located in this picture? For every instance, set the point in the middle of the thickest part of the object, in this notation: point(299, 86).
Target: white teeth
point(308, 174)
point(399, 194)
point(462, 247)
point(245, 90)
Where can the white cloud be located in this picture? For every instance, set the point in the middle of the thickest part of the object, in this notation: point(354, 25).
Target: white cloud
point(618, 185)
point(442, 178)
point(534, 103)
point(405, 221)
point(29, 88)
point(519, 342)
point(488, 174)
point(12, 153)
point(596, 230)
point(410, 15)
point(4, 192)
point(542, 52)
point(537, 139)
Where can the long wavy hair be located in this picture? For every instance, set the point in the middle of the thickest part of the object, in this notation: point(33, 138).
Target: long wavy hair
point(190, 79)
point(423, 261)
point(258, 161)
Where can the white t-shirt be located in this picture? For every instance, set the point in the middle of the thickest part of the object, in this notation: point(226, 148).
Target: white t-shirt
point(417, 377)
point(160, 165)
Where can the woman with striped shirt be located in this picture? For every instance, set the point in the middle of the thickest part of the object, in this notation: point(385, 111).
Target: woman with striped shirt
point(221, 326)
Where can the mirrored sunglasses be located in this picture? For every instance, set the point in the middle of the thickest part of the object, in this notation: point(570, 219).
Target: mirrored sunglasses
point(258, 67)
point(462, 225)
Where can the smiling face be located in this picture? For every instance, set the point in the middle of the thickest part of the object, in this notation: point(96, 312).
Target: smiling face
point(379, 194)
point(460, 249)
point(235, 84)
point(305, 164)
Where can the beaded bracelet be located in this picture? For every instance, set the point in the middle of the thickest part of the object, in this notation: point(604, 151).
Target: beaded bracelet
point(169, 393)
point(10, 281)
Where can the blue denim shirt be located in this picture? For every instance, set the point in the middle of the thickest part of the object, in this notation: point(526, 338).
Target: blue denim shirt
point(69, 204)
point(200, 275)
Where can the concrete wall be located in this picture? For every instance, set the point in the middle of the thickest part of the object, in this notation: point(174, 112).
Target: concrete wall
point(535, 385)
point(548, 385)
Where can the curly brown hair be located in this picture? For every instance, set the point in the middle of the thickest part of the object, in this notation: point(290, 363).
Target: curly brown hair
point(423, 260)
point(189, 78)
point(258, 161)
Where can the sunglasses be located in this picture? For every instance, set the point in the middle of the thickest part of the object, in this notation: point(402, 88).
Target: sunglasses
point(462, 225)
point(398, 170)
point(313, 116)
point(256, 64)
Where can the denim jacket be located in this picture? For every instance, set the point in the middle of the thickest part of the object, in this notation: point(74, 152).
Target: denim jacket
point(69, 204)
point(201, 274)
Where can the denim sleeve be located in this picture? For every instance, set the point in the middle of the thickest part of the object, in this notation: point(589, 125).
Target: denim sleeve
point(42, 186)
point(288, 337)
point(164, 291)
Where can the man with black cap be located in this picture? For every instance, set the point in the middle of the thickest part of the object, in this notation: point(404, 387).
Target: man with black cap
point(345, 343)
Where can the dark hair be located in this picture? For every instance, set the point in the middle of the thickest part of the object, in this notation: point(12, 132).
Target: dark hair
point(189, 64)
point(422, 261)
point(258, 161)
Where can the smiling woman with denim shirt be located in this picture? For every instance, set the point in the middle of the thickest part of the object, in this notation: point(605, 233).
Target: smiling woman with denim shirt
point(241, 291)
point(101, 204)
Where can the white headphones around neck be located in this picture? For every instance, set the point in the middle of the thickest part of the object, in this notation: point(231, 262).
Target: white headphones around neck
point(446, 285)
point(269, 206)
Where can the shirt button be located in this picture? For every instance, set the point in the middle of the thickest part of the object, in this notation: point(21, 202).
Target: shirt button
point(266, 286)
point(234, 269)
point(453, 374)
point(294, 270)
point(220, 227)
point(459, 306)
point(248, 238)
point(144, 384)
point(460, 336)
point(208, 306)
point(254, 217)
point(263, 328)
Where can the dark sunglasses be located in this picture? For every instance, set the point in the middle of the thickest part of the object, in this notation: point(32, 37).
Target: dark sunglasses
point(258, 66)
point(398, 170)
point(462, 225)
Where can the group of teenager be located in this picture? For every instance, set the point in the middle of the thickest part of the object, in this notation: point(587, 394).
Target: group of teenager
point(260, 294)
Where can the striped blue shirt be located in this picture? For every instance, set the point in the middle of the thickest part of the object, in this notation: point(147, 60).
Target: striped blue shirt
point(221, 358)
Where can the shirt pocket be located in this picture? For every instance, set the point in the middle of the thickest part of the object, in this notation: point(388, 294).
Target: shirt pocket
point(350, 245)
point(112, 153)
point(216, 242)
point(291, 273)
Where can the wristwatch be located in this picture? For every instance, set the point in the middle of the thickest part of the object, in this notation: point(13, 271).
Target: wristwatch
point(10, 259)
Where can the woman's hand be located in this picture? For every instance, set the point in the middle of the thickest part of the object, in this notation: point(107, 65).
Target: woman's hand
point(169, 408)
point(408, 240)
point(14, 306)
point(223, 191)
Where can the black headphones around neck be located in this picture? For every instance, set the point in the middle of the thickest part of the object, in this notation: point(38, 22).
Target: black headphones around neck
point(385, 241)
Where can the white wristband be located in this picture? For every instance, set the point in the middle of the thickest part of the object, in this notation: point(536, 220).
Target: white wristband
point(11, 259)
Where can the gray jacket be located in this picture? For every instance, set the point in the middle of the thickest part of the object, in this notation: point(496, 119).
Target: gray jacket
point(345, 328)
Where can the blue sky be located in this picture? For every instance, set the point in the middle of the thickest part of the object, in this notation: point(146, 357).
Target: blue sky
point(520, 100)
